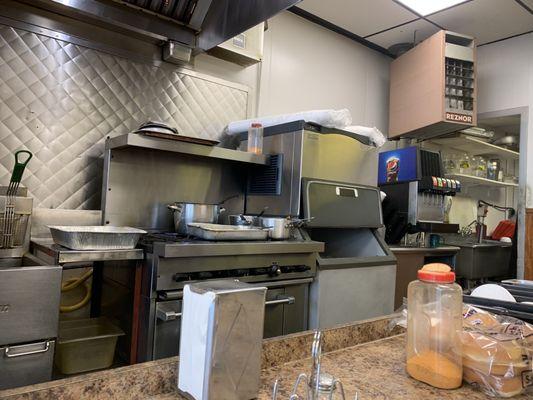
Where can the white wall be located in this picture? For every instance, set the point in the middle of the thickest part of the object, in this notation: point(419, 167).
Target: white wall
point(309, 67)
point(505, 86)
point(505, 71)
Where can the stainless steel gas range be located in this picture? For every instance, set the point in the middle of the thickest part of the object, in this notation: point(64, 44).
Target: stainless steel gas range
point(286, 268)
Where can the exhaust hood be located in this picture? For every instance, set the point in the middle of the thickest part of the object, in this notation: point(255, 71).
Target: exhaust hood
point(199, 25)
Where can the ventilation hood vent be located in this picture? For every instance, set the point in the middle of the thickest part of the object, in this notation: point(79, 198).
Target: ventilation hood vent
point(198, 24)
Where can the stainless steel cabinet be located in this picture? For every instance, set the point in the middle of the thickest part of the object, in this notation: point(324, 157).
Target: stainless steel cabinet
point(29, 312)
point(29, 298)
point(22, 365)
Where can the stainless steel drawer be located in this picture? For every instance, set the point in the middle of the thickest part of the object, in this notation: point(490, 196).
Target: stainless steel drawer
point(26, 364)
point(29, 303)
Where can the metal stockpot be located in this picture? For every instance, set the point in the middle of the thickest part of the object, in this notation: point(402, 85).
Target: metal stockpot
point(185, 213)
point(278, 228)
point(281, 228)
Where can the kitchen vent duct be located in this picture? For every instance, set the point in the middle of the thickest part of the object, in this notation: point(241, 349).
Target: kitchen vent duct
point(198, 24)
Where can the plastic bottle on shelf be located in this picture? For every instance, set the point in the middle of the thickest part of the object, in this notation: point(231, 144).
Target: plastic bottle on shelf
point(465, 164)
point(255, 138)
point(434, 326)
point(481, 170)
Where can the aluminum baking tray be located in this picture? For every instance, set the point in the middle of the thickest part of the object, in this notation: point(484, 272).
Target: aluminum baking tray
point(226, 232)
point(96, 237)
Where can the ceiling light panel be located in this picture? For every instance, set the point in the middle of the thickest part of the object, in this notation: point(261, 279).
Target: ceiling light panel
point(425, 7)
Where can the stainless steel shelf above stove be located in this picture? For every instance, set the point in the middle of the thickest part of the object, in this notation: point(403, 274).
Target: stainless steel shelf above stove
point(135, 140)
point(207, 249)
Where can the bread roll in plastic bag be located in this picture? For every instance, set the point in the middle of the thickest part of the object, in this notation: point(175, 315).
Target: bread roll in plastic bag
point(497, 353)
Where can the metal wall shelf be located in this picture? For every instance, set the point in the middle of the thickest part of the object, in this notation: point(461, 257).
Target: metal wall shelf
point(477, 147)
point(136, 140)
point(475, 180)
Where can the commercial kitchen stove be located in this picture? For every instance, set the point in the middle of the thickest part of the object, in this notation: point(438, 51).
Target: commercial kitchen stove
point(285, 267)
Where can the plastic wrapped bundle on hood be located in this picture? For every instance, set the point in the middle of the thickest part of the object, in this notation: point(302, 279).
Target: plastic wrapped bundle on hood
point(339, 119)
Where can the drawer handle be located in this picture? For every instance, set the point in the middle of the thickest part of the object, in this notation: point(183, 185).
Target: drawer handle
point(167, 315)
point(281, 300)
point(27, 353)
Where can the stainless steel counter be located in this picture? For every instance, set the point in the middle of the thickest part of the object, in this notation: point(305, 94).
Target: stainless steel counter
point(425, 250)
point(62, 255)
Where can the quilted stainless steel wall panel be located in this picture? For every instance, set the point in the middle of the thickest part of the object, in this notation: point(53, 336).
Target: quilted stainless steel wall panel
point(59, 100)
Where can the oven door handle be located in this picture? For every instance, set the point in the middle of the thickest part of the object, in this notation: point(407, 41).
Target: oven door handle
point(8, 350)
point(280, 299)
point(167, 315)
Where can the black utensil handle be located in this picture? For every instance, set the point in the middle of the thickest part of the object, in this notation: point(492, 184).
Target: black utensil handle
point(19, 167)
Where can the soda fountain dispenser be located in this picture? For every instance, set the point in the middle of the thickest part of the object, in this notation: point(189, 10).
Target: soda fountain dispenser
point(414, 182)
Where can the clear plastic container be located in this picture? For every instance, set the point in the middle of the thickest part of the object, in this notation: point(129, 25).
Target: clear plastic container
point(481, 167)
point(465, 166)
point(86, 344)
point(434, 327)
point(255, 138)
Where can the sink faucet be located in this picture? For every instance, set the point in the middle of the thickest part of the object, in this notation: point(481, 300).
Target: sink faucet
point(318, 385)
point(481, 228)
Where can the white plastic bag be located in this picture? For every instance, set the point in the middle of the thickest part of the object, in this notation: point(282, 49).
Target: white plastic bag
point(328, 118)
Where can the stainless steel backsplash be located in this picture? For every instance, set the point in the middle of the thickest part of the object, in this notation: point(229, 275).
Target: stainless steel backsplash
point(60, 100)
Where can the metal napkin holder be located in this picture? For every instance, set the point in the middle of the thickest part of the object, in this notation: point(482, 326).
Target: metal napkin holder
point(318, 384)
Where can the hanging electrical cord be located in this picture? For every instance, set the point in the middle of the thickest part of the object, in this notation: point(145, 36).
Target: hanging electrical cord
point(72, 284)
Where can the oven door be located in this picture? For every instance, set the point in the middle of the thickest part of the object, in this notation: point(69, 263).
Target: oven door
point(286, 307)
point(167, 329)
point(286, 311)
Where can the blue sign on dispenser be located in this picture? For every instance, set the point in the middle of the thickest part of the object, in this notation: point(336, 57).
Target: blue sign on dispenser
point(399, 165)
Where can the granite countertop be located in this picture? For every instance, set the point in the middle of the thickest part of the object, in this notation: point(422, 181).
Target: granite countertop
point(368, 357)
point(440, 249)
point(376, 370)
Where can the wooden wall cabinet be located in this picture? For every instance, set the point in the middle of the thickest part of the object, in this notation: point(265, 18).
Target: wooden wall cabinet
point(433, 87)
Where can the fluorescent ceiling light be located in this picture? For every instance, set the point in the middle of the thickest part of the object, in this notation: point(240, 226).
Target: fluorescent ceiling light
point(425, 7)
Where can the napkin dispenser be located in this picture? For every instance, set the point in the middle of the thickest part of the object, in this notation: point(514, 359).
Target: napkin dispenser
point(221, 340)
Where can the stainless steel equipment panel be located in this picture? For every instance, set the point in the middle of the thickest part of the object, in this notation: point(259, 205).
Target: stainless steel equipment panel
point(340, 205)
point(167, 329)
point(75, 96)
point(286, 309)
point(26, 364)
point(424, 207)
point(29, 303)
point(308, 154)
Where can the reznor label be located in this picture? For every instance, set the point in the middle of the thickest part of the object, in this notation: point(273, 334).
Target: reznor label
point(459, 117)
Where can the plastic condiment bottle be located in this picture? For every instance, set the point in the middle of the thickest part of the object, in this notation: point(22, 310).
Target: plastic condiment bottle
point(255, 138)
point(434, 326)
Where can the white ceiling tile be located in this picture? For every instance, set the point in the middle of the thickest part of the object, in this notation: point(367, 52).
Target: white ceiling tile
point(362, 17)
point(404, 34)
point(486, 20)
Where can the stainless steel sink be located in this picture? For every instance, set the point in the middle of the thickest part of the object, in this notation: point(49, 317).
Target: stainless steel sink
point(489, 259)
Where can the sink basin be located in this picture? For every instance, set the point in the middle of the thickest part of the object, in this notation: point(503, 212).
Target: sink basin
point(489, 259)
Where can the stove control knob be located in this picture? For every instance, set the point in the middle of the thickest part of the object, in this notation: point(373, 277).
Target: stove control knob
point(275, 270)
